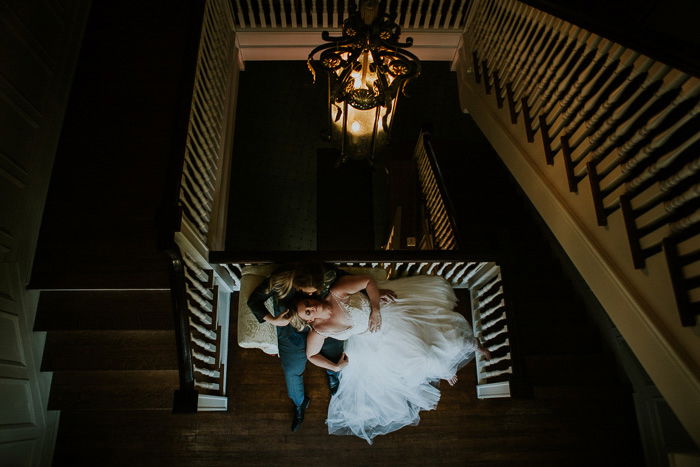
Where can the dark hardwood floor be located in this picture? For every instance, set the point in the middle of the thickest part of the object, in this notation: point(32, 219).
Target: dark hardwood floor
point(575, 417)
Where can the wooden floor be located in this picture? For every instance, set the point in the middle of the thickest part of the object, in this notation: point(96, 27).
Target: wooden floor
point(569, 420)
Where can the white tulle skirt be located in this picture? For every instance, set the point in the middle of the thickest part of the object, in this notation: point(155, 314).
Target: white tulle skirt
point(391, 374)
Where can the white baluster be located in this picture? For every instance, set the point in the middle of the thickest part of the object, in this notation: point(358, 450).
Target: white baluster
point(689, 195)
point(194, 311)
point(613, 100)
point(688, 170)
point(302, 11)
point(486, 312)
point(428, 15)
point(283, 15)
point(261, 14)
point(202, 330)
point(493, 335)
point(324, 16)
point(448, 16)
point(208, 346)
point(206, 292)
point(208, 372)
point(205, 305)
point(207, 385)
point(417, 18)
point(273, 16)
point(493, 374)
point(401, 13)
point(458, 18)
point(438, 14)
point(335, 21)
point(206, 359)
point(251, 16)
point(293, 14)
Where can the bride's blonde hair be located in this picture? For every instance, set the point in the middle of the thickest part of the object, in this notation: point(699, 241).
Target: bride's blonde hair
point(295, 320)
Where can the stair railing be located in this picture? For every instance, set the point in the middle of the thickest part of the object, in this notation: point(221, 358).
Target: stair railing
point(480, 275)
point(265, 15)
point(441, 231)
point(562, 106)
point(491, 320)
point(201, 291)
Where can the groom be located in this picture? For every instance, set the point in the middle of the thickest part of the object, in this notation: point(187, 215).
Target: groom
point(292, 343)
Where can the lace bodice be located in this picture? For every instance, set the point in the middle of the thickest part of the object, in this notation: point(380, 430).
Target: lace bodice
point(358, 308)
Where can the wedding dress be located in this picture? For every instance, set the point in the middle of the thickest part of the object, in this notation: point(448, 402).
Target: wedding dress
point(391, 374)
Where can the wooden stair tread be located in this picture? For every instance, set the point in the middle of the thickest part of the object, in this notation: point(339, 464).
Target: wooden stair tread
point(82, 310)
point(113, 390)
point(103, 273)
point(110, 350)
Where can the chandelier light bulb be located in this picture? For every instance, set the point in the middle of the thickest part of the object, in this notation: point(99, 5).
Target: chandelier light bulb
point(356, 127)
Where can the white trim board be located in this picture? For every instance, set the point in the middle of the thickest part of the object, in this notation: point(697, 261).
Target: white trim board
point(427, 46)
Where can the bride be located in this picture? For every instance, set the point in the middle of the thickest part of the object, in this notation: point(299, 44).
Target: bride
point(393, 357)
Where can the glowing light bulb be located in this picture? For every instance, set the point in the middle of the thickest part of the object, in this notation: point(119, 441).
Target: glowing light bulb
point(356, 127)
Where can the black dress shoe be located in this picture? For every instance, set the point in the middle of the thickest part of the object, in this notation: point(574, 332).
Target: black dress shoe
point(299, 414)
point(333, 383)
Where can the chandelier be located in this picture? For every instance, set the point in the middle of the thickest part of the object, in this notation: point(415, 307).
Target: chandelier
point(368, 68)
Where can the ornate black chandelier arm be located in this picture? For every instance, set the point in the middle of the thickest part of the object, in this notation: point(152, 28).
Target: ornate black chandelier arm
point(326, 36)
point(392, 47)
point(340, 80)
point(311, 63)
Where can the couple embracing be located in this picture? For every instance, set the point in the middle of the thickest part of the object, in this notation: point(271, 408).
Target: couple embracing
point(383, 349)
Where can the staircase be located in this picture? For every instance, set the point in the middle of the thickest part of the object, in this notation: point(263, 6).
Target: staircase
point(109, 350)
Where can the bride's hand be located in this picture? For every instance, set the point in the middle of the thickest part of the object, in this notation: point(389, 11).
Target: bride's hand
point(375, 321)
point(342, 363)
point(387, 296)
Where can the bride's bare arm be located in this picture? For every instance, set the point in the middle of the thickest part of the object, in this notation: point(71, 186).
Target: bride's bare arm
point(314, 343)
point(347, 285)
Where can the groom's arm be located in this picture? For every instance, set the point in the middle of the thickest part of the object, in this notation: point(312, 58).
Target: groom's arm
point(256, 303)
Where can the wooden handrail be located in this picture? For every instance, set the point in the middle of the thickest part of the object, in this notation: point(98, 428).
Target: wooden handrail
point(186, 396)
point(441, 213)
point(375, 256)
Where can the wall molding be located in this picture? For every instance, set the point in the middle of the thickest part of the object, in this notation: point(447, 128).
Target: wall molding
point(428, 46)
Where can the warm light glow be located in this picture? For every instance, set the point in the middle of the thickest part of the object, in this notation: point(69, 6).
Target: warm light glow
point(358, 63)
